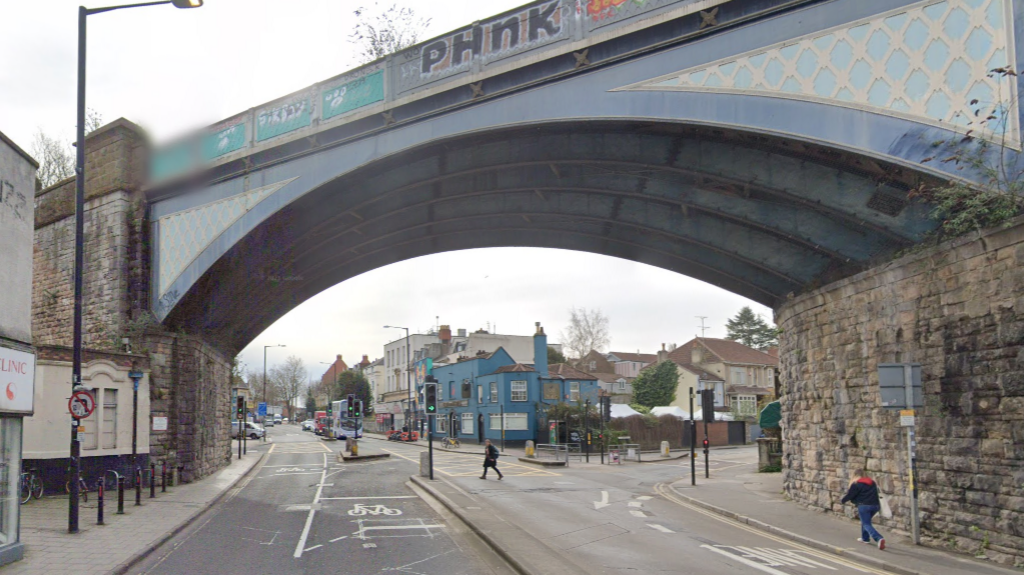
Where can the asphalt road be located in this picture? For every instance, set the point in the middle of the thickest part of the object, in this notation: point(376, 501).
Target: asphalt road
point(303, 512)
point(623, 519)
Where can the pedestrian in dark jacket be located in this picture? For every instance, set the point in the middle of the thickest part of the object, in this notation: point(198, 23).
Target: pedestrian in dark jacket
point(863, 493)
point(491, 460)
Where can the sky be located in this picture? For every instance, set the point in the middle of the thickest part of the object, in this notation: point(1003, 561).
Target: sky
point(173, 71)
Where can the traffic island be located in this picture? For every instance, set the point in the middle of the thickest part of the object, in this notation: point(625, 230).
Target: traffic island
point(344, 457)
point(542, 462)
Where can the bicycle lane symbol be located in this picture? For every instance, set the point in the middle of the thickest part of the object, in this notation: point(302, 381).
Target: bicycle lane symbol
point(360, 509)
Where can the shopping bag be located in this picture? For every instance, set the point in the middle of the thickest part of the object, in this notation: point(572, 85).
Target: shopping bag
point(886, 510)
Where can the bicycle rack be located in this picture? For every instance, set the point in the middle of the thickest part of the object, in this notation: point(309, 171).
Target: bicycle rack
point(120, 491)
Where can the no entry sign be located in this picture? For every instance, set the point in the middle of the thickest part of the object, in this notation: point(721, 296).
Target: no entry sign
point(81, 404)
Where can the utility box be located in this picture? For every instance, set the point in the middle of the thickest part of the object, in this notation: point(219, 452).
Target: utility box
point(891, 385)
point(664, 449)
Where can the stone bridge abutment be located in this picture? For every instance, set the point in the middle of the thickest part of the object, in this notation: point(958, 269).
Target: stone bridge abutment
point(957, 309)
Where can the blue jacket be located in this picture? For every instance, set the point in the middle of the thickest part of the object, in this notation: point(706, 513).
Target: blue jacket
point(864, 491)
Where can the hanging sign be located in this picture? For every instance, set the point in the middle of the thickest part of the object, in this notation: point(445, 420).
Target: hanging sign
point(81, 404)
point(17, 381)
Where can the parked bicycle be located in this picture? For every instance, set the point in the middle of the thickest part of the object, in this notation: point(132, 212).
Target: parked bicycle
point(83, 489)
point(31, 485)
point(451, 443)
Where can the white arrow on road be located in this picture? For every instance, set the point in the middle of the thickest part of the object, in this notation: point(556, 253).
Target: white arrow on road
point(603, 502)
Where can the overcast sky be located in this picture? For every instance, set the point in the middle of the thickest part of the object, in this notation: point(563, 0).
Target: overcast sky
point(172, 71)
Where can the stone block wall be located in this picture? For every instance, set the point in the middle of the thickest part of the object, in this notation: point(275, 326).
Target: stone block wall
point(190, 379)
point(957, 309)
point(190, 384)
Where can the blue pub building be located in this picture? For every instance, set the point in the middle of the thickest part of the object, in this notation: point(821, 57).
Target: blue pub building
point(475, 392)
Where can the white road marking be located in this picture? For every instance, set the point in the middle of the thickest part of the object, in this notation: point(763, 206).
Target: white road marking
point(325, 485)
point(644, 497)
point(635, 504)
point(777, 557)
point(339, 538)
point(744, 560)
point(312, 512)
point(661, 528)
point(370, 497)
point(312, 548)
point(368, 545)
point(603, 502)
point(406, 567)
point(636, 513)
point(360, 509)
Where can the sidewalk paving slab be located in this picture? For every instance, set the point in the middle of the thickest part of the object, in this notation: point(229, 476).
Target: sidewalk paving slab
point(757, 500)
point(123, 540)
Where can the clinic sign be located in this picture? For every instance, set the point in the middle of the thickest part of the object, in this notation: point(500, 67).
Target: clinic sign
point(17, 381)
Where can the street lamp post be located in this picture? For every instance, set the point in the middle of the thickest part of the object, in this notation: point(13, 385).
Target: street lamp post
point(76, 361)
point(265, 387)
point(408, 380)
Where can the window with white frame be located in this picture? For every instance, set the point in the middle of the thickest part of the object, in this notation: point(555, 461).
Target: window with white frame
point(109, 418)
point(574, 391)
point(719, 388)
point(467, 424)
point(737, 376)
point(480, 394)
point(513, 421)
point(593, 365)
point(518, 391)
point(744, 405)
point(441, 424)
point(494, 392)
point(622, 386)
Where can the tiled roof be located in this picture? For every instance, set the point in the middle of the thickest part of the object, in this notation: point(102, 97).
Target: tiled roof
point(641, 357)
point(728, 351)
point(516, 367)
point(566, 371)
point(700, 373)
point(608, 377)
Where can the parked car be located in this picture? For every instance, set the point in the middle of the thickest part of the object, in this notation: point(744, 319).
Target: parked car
point(284, 420)
point(268, 422)
point(252, 430)
point(308, 425)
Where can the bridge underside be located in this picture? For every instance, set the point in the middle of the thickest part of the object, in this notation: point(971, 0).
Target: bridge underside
point(758, 216)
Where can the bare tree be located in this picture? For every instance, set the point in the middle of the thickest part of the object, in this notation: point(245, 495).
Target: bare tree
point(382, 32)
point(289, 381)
point(588, 330)
point(56, 157)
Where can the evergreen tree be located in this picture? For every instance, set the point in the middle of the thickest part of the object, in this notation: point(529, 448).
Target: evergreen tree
point(751, 330)
point(555, 356)
point(354, 382)
point(656, 385)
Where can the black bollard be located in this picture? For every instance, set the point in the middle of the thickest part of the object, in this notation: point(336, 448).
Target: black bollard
point(138, 486)
point(152, 484)
point(163, 477)
point(99, 499)
point(120, 494)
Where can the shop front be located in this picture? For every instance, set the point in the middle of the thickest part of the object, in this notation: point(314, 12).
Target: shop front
point(17, 379)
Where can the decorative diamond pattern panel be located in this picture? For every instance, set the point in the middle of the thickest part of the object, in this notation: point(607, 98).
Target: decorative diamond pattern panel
point(927, 62)
point(184, 235)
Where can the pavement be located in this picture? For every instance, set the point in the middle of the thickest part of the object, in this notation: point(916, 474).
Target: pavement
point(124, 539)
point(737, 491)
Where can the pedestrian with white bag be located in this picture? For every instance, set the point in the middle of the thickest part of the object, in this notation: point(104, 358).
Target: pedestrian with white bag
point(864, 494)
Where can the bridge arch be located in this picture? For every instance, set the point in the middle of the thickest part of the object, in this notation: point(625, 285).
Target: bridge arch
point(760, 216)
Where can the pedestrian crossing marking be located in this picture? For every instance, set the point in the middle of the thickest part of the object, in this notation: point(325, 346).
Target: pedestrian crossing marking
point(304, 447)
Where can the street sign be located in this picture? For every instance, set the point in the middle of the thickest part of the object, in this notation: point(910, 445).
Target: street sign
point(250, 405)
point(892, 385)
point(159, 423)
point(906, 418)
point(261, 408)
point(81, 404)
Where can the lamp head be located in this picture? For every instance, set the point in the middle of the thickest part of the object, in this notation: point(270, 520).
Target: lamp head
point(187, 3)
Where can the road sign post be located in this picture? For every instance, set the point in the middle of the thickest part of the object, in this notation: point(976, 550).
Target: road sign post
point(430, 407)
point(693, 444)
point(900, 388)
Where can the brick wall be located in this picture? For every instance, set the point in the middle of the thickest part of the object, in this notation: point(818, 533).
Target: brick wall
point(958, 309)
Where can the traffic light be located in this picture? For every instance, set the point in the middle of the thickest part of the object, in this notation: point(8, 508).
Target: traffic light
point(350, 405)
point(330, 409)
point(240, 408)
point(430, 398)
point(707, 403)
point(606, 409)
point(358, 409)
point(705, 444)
